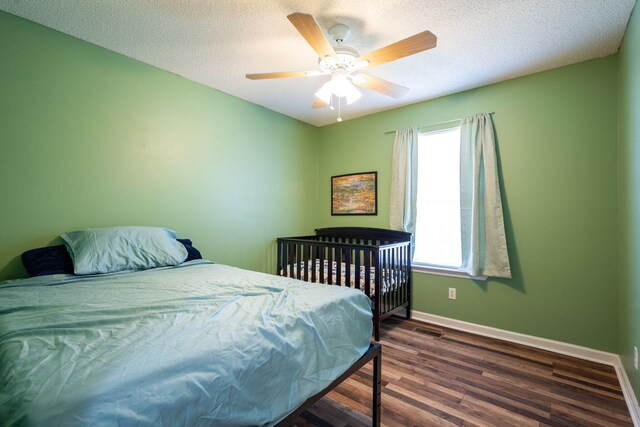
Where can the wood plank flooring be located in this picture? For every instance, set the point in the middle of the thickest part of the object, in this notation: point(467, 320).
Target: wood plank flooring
point(433, 376)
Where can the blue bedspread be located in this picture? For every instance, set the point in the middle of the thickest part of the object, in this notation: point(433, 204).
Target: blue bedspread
point(201, 344)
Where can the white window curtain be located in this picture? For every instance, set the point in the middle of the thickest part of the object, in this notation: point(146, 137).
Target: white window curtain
point(484, 245)
point(404, 180)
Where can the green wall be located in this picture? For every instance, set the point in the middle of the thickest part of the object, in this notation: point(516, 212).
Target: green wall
point(92, 138)
point(556, 136)
point(629, 197)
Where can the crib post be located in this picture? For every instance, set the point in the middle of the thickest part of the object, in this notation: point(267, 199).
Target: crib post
point(279, 257)
point(377, 265)
point(409, 278)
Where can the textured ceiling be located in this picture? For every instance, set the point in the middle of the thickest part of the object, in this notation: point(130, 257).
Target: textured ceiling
point(217, 42)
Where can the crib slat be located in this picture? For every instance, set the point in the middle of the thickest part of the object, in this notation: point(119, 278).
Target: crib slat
point(405, 277)
point(367, 273)
point(390, 279)
point(382, 297)
point(282, 259)
point(290, 260)
point(338, 266)
point(358, 273)
point(385, 280)
point(314, 261)
point(299, 261)
point(321, 261)
point(377, 261)
point(389, 276)
point(396, 278)
point(392, 276)
point(401, 275)
point(331, 251)
point(305, 262)
point(306, 256)
point(396, 270)
point(347, 267)
point(406, 270)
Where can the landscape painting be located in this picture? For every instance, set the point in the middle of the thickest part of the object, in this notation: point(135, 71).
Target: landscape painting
point(354, 194)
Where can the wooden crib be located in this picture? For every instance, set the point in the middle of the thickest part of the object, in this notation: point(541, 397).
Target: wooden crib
point(376, 261)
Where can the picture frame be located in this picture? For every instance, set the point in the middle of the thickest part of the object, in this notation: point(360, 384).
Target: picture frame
point(354, 194)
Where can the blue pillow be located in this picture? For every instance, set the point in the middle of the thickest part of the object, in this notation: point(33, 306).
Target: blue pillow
point(107, 250)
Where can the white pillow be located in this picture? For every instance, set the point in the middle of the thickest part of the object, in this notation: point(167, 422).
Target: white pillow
point(106, 250)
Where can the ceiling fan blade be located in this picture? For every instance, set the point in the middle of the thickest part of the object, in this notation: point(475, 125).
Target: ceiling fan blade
point(379, 85)
point(282, 74)
point(409, 46)
point(309, 29)
point(318, 103)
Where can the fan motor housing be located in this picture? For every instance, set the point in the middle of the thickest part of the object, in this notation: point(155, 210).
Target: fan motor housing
point(339, 33)
point(345, 59)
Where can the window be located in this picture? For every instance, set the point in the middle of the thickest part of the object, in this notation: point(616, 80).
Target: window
point(437, 236)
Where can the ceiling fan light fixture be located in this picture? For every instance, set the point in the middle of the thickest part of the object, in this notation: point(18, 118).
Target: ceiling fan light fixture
point(353, 95)
point(343, 88)
point(340, 85)
point(326, 92)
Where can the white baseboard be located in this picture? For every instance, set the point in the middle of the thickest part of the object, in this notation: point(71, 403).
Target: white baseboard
point(515, 337)
point(586, 353)
point(629, 395)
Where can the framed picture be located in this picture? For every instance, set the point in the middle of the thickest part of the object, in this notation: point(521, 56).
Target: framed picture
point(354, 194)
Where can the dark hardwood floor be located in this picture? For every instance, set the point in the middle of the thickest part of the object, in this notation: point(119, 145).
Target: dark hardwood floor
point(433, 376)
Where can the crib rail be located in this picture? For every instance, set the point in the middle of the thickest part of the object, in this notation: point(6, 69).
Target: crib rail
point(376, 268)
point(374, 260)
point(307, 259)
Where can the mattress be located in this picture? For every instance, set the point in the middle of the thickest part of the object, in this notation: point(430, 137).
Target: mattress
point(198, 344)
point(388, 277)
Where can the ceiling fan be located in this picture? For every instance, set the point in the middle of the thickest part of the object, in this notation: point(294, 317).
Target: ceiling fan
point(344, 64)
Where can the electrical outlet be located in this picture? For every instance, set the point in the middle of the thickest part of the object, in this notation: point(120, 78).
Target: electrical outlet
point(635, 357)
point(452, 293)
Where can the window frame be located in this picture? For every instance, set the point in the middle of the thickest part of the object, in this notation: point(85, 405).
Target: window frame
point(423, 268)
point(440, 270)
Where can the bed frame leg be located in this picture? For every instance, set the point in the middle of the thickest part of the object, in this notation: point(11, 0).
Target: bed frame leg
point(376, 329)
point(377, 389)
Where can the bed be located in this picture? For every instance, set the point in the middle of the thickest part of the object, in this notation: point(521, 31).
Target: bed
point(375, 261)
point(196, 343)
